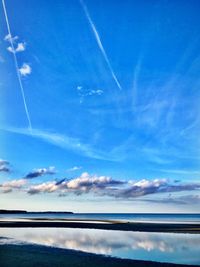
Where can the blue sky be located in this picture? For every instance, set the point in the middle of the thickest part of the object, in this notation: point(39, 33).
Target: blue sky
point(111, 93)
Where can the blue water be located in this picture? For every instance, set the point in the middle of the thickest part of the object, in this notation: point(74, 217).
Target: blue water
point(161, 247)
point(195, 218)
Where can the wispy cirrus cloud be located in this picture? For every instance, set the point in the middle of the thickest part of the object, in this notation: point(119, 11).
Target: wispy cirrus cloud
point(4, 166)
point(181, 200)
point(99, 43)
point(65, 142)
point(74, 168)
point(10, 39)
point(85, 92)
point(40, 172)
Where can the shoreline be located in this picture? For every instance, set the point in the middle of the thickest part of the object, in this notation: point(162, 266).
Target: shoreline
point(191, 228)
point(37, 255)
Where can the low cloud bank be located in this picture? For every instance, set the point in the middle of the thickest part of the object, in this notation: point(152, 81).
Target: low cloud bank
point(104, 186)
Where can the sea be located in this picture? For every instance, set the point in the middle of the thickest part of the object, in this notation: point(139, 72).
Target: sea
point(129, 217)
point(161, 247)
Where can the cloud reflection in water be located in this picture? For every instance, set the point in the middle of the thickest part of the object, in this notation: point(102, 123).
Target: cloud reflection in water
point(168, 247)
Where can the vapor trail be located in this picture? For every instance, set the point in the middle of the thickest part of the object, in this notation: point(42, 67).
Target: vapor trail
point(100, 45)
point(16, 66)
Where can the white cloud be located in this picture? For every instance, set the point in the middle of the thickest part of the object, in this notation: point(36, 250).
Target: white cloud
point(25, 69)
point(20, 48)
point(10, 49)
point(87, 92)
point(107, 186)
point(95, 92)
point(147, 183)
point(14, 184)
point(47, 187)
point(84, 184)
point(75, 168)
point(9, 38)
point(99, 43)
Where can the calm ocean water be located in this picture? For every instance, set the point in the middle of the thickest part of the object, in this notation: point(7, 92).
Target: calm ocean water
point(161, 247)
point(112, 216)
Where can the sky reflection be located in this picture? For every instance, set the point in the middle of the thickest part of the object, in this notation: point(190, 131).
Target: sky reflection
point(177, 248)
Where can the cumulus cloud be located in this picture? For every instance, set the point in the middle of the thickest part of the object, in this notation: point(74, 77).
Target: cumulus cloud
point(25, 69)
point(142, 188)
point(148, 187)
point(84, 184)
point(4, 166)
point(47, 187)
point(107, 186)
point(20, 48)
point(40, 172)
point(7, 187)
point(9, 38)
point(14, 48)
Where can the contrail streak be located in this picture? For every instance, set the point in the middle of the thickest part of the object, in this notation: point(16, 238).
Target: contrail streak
point(17, 66)
point(100, 45)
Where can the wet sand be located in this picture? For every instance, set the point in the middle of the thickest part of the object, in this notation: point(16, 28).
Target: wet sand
point(108, 225)
point(36, 255)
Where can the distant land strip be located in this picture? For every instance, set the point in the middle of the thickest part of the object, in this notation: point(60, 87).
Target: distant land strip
point(33, 212)
point(192, 228)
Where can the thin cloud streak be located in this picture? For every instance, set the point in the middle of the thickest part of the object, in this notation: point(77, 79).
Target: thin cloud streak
point(10, 39)
point(99, 43)
point(75, 168)
point(65, 142)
